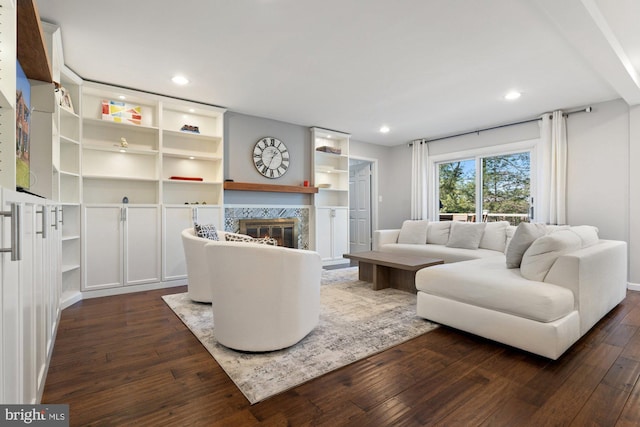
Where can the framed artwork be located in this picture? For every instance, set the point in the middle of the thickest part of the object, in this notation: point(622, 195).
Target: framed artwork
point(23, 123)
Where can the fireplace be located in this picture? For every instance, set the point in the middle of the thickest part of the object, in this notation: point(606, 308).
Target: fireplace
point(284, 230)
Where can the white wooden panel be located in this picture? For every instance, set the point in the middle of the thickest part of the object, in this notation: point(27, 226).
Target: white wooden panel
point(142, 231)
point(174, 220)
point(102, 237)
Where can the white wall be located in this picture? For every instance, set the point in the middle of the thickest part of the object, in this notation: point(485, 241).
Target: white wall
point(598, 169)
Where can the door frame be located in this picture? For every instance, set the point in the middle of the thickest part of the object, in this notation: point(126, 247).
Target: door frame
point(373, 190)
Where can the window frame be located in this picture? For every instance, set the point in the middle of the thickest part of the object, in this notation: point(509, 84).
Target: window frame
point(532, 146)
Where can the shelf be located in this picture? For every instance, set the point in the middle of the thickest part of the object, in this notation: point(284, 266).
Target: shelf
point(248, 186)
point(191, 182)
point(68, 238)
point(119, 178)
point(186, 154)
point(116, 125)
point(70, 267)
point(131, 149)
point(67, 140)
point(191, 135)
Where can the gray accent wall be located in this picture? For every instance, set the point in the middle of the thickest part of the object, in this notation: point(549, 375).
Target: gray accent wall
point(241, 132)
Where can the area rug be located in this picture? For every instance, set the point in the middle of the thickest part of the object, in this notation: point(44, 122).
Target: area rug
point(355, 322)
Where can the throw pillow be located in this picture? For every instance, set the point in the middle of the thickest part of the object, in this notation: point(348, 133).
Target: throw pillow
point(523, 237)
point(265, 241)
point(438, 232)
point(587, 233)
point(206, 231)
point(465, 235)
point(413, 232)
point(235, 237)
point(495, 236)
point(543, 252)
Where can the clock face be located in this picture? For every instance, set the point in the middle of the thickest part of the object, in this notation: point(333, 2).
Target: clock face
point(271, 157)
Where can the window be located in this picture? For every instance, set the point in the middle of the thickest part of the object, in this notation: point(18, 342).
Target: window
point(491, 187)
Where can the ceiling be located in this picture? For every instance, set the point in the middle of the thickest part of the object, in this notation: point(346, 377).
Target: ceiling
point(424, 68)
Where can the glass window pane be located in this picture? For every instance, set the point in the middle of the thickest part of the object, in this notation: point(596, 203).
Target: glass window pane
point(457, 181)
point(506, 191)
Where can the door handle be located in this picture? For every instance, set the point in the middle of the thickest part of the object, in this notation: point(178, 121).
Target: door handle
point(44, 214)
point(16, 231)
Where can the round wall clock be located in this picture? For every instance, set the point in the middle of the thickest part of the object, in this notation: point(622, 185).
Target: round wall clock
point(271, 157)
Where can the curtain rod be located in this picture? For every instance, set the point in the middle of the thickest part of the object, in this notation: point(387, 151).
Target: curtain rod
point(567, 114)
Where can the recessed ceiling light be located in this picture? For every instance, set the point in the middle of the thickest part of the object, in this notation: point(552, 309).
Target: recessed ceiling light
point(122, 97)
point(514, 94)
point(385, 129)
point(180, 80)
point(191, 110)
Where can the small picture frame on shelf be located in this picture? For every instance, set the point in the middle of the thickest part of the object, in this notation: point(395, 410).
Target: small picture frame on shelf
point(65, 99)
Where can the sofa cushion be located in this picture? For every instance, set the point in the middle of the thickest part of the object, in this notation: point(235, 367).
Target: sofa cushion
point(495, 236)
point(206, 231)
point(442, 252)
point(587, 233)
point(522, 238)
point(438, 232)
point(465, 235)
point(543, 252)
point(488, 283)
point(413, 232)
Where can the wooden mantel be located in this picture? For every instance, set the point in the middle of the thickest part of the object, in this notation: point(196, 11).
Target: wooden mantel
point(273, 188)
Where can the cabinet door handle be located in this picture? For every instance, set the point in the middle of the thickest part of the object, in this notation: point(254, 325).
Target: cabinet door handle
point(44, 214)
point(123, 214)
point(55, 217)
point(16, 231)
point(194, 215)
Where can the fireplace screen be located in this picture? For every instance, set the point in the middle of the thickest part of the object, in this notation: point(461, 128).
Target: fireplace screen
point(284, 230)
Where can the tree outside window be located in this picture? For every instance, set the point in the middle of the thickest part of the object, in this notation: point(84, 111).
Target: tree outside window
point(504, 182)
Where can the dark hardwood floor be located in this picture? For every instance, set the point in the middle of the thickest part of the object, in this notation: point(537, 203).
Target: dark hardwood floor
point(128, 360)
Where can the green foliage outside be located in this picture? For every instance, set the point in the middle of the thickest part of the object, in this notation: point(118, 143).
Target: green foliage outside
point(505, 185)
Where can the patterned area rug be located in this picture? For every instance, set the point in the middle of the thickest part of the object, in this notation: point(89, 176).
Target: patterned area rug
point(355, 322)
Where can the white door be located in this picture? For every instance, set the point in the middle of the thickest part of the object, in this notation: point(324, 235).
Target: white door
point(360, 207)
point(10, 330)
point(102, 238)
point(142, 244)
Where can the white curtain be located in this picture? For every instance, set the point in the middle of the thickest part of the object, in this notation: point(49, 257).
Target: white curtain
point(552, 203)
point(419, 163)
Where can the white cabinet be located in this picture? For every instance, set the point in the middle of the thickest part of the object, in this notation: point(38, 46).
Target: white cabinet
point(174, 220)
point(331, 227)
point(121, 245)
point(28, 297)
point(331, 176)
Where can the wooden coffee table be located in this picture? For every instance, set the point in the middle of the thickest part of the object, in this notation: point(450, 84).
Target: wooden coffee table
point(389, 270)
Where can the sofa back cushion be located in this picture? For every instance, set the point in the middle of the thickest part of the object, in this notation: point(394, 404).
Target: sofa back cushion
point(543, 252)
point(413, 232)
point(465, 235)
point(587, 233)
point(523, 237)
point(438, 232)
point(494, 236)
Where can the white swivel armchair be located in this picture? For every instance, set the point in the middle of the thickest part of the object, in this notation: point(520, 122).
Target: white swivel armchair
point(264, 297)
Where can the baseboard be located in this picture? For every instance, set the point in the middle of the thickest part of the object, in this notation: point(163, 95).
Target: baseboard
point(131, 289)
point(68, 299)
point(633, 286)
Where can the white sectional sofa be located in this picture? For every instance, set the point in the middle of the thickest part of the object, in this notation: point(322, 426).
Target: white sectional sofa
point(545, 290)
